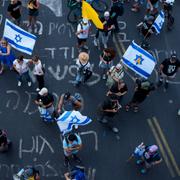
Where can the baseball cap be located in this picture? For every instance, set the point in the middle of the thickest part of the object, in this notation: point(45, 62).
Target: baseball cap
point(106, 14)
point(43, 91)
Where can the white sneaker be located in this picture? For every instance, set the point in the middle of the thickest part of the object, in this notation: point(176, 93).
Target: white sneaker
point(95, 42)
point(29, 84)
point(37, 89)
point(19, 83)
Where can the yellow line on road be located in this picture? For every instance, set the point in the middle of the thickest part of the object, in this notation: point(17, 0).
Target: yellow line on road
point(166, 146)
point(161, 148)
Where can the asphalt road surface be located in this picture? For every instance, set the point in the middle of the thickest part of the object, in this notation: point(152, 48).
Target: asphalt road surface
point(104, 154)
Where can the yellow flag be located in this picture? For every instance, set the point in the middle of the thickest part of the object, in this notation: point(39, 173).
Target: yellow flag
point(89, 13)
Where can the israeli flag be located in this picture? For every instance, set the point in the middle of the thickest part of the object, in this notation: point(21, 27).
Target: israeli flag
point(159, 21)
point(19, 38)
point(139, 60)
point(69, 118)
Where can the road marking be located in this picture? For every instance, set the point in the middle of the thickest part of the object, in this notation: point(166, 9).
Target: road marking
point(161, 148)
point(166, 146)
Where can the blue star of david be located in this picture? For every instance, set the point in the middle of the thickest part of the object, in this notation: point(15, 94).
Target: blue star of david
point(160, 24)
point(138, 59)
point(74, 119)
point(18, 38)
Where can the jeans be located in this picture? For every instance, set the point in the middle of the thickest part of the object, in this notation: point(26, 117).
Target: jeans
point(79, 77)
point(24, 75)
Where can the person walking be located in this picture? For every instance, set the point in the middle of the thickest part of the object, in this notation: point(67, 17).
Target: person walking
point(14, 11)
point(168, 69)
point(83, 68)
point(106, 61)
point(6, 55)
point(117, 90)
point(21, 66)
point(45, 101)
point(38, 71)
point(72, 144)
point(82, 32)
point(117, 10)
point(115, 74)
point(103, 34)
point(142, 90)
point(33, 12)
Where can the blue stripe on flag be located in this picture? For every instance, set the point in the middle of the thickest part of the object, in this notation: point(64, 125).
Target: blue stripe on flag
point(17, 45)
point(65, 116)
point(21, 32)
point(137, 69)
point(142, 51)
point(156, 27)
point(161, 14)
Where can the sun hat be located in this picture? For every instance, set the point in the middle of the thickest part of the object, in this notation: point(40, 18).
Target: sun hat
point(43, 91)
point(83, 57)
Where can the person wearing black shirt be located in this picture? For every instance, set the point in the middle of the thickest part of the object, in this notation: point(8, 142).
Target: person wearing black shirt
point(109, 108)
point(45, 101)
point(168, 69)
point(14, 11)
point(116, 10)
point(142, 90)
point(118, 90)
point(104, 33)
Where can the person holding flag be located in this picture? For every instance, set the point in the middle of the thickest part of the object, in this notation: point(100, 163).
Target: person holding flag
point(6, 55)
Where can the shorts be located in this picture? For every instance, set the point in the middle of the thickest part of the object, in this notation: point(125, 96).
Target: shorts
point(80, 41)
point(34, 13)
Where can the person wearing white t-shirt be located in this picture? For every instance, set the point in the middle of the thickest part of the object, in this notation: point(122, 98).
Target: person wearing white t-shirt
point(38, 72)
point(83, 32)
point(21, 66)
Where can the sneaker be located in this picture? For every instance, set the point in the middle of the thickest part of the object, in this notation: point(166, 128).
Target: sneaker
point(37, 89)
point(29, 84)
point(77, 159)
point(105, 46)
point(159, 83)
point(19, 83)
point(95, 42)
point(135, 9)
point(104, 121)
point(66, 162)
point(178, 112)
point(115, 129)
point(104, 76)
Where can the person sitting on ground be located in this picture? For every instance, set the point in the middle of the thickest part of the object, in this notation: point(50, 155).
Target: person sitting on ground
point(68, 102)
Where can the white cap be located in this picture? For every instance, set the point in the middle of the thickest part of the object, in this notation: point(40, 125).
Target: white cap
point(119, 66)
point(85, 20)
point(106, 14)
point(43, 91)
point(171, 2)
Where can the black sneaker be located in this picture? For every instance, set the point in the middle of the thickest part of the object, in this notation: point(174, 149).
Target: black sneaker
point(159, 83)
point(66, 162)
point(77, 159)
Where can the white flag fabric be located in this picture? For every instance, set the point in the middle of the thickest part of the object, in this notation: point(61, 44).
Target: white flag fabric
point(19, 38)
point(159, 21)
point(69, 118)
point(139, 60)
